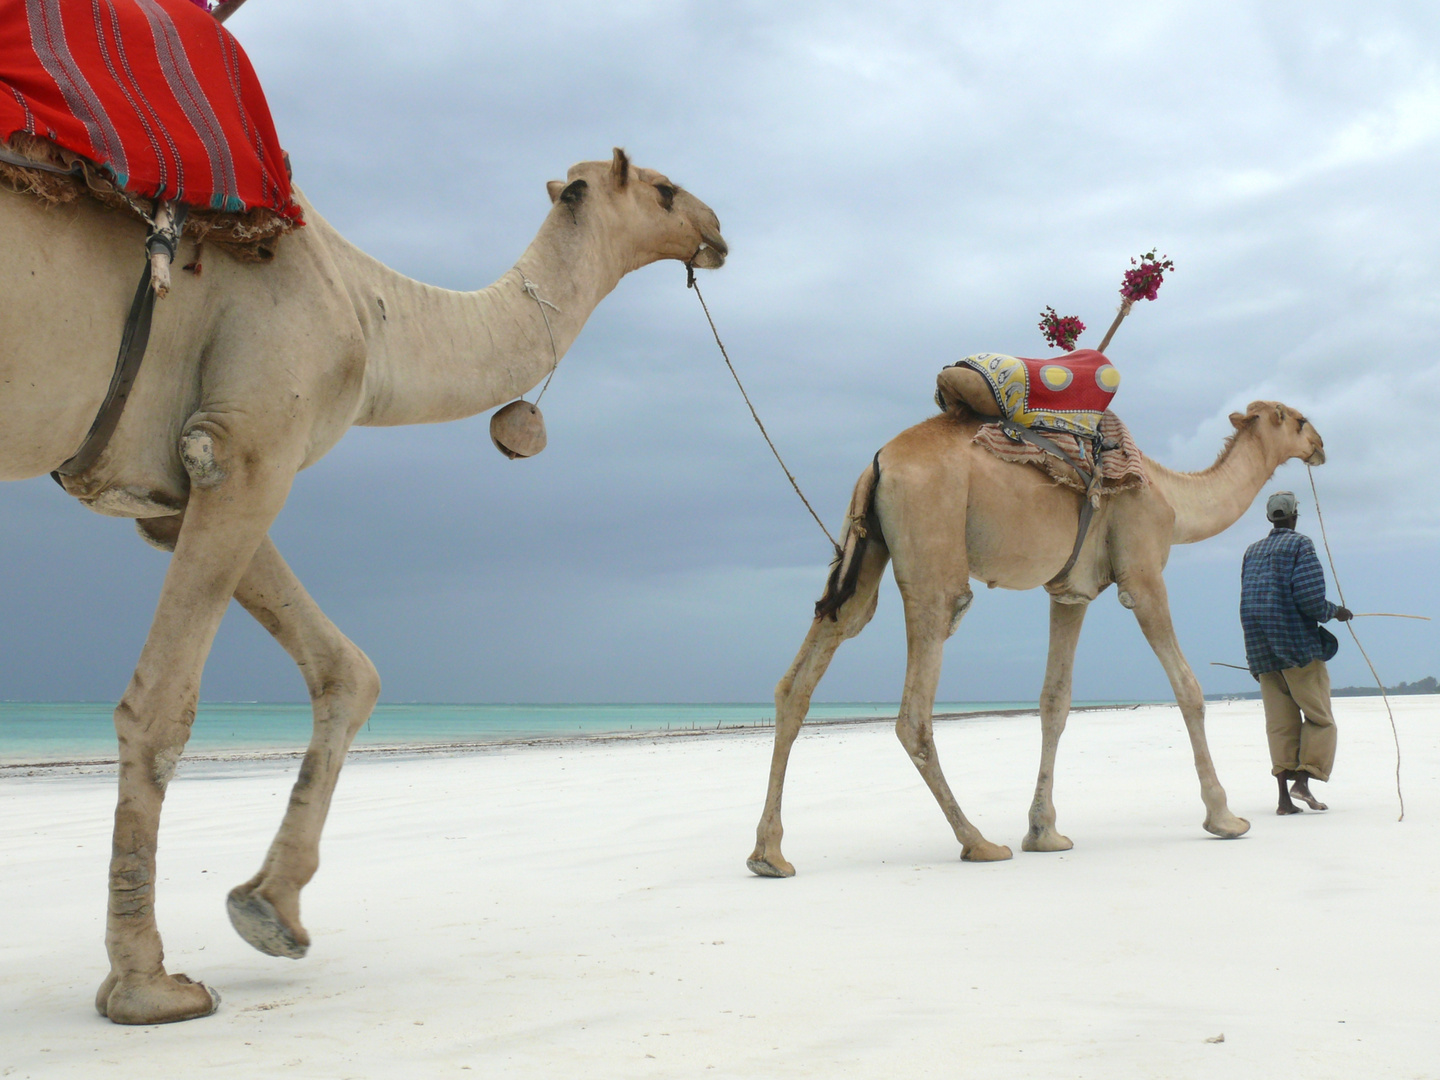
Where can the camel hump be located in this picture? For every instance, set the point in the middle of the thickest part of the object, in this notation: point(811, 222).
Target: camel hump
point(1067, 394)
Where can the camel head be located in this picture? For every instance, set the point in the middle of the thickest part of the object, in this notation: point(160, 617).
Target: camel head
point(1283, 431)
point(640, 212)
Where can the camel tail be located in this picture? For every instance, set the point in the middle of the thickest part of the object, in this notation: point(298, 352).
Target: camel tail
point(861, 525)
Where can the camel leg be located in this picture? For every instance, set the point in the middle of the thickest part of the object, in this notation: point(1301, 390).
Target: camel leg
point(792, 701)
point(929, 620)
point(1065, 623)
point(343, 687)
point(1147, 593)
point(232, 501)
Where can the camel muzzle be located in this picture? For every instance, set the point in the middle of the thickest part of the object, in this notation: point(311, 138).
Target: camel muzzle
point(710, 255)
point(1317, 458)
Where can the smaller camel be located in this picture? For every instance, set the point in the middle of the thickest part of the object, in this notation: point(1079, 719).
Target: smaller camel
point(946, 510)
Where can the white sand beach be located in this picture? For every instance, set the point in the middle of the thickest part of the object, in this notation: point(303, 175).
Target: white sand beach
point(583, 910)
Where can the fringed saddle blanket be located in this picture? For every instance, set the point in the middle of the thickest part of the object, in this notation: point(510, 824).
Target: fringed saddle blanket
point(154, 99)
point(1121, 467)
point(1061, 394)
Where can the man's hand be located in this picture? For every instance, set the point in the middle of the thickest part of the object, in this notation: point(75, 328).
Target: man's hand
point(1344, 614)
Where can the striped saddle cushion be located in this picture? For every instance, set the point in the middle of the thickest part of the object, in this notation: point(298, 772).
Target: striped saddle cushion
point(155, 92)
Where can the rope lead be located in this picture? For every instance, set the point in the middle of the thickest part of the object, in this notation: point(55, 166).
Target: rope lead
point(1349, 625)
point(690, 283)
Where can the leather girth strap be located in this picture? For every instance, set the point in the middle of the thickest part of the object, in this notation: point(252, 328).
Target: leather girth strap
point(1090, 477)
point(133, 340)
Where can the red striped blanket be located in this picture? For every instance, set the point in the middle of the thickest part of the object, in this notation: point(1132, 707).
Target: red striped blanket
point(155, 92)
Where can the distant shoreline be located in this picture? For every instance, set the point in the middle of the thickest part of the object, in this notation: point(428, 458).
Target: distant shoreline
point(1426, 685)
point(91, 766)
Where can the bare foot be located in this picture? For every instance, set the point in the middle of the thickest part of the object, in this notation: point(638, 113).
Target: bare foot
point(763, 864)
point(154, 999)
point(1302, 792)
point(261, 924)
point(1045, 839)
point(1225, 825)
point(984, 851)
point(1289, 808)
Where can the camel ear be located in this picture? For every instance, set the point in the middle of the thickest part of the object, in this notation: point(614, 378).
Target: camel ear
point(1279, 413)
point(570, 194)
point(620, 168)
point(1237, 420)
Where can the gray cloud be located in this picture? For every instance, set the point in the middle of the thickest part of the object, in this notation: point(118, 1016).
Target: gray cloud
point(900, 185)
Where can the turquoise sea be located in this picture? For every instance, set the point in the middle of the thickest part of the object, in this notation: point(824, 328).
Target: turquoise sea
point(49, 732)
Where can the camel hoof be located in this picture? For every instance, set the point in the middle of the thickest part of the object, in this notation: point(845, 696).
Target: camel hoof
point(154, 999)
point(776, 867)
point(984, 851)
point(256, 920)
point(1048, 840)
point(1228, 827)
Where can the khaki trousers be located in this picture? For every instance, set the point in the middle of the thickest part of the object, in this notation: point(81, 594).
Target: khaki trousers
point(1296, 745)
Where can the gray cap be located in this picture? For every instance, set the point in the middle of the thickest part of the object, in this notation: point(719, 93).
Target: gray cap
point(1281, 505)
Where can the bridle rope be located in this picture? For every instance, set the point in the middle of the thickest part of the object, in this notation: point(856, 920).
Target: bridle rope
point(533, 291)
point(691, 283)
point(1350, 625)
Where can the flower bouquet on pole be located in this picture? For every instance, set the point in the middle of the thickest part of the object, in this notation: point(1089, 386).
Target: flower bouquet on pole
point(1142, 282)
point(1065, 395)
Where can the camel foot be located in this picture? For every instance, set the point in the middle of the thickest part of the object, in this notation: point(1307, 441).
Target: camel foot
point(769, 866)
point(1226, 826)
point(1045, 840)
point(154, 999)
point(984, 851)
point(257, 921)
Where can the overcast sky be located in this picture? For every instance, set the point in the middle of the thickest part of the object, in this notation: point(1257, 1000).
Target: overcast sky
point(900, 185)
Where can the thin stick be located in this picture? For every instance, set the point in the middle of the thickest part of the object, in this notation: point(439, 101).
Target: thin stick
point(1119, 318)
point(1383, 696)
point(1237, 667)
point(1388, 615)
point(225, 10)
point(788, 475)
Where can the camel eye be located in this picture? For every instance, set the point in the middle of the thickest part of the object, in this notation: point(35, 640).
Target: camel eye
point(667, 195)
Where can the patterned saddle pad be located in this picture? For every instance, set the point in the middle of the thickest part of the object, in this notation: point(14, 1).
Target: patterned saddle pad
point(1122, 466)
point(155, 92)
point(1066, 394)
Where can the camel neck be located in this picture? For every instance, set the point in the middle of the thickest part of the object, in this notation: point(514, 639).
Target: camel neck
point(434, 354)
point(1210, 501)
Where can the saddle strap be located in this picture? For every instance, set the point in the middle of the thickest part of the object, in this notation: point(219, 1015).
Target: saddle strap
point(9, 158)
point(133, 340)
point(1091, 477)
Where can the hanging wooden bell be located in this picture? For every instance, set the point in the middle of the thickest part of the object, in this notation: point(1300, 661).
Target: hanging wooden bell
point(518, 430)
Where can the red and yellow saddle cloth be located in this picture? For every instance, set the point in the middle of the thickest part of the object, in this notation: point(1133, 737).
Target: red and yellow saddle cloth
point(1067, 394)
point(155, 92)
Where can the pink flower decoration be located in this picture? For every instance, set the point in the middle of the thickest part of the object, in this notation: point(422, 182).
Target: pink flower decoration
point(1143, 281)
point(1060, 330)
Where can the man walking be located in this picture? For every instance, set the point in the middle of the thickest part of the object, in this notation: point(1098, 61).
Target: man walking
point(1282, 603)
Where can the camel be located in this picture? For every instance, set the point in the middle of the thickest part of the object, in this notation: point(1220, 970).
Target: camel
point(253, 373)
point(945, 510)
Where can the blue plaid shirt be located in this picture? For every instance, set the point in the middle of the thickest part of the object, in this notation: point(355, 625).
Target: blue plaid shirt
point(1282, 603)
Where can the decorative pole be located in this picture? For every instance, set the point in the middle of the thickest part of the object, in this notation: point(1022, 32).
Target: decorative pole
point(1142, 282)
point(225, 10)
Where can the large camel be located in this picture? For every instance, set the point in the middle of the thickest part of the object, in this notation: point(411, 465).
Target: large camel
point(253, 373)
point(945, 510)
